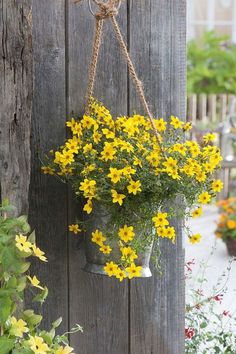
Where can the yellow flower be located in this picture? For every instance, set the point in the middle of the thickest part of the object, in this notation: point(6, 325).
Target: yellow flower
point(133, 271)
point(71, 123)
point(204, 198)
point(65, 350)
point(180, 148)
point(117, 198)
point(160, 124)
point(74, 228)
point(169, 232)
point(187, 126)
point(137, 162)
point(201, 176)
point(47, 170)
point(73, 145)
point(170, 164)
point(197, 212)
point(128, 254)
point(111, 269)
point(209, 137)
point(96, 137)
point(134, 187)
point(105, 249)
point(120, 274)
point(217, 185)
point(98, 238)
point(176, 123)
point(67, 157)
point(108, 152)
point(115, 175)
point(87, 122)
point(153, 158)
point(88, 207)
point(128, 170)
point(88, 187)
point(38, 253)
point(126, 233)
point(38, 346)
point(160, 220)
point(18, 328)
point(35, 282)
point(22, 244)
point(87, 148)
point(195, 239)
point(108, 133)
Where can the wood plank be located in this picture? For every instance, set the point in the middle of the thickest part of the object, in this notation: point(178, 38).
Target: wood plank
point(48, 209)
point(16, 69)
point(192, 109)
point(222, 107)
point(158, 50)
point(212, 107)
point(202, 107)
point(97, 303)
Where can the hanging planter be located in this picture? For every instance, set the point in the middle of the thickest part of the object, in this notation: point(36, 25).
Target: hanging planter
point(125, 169)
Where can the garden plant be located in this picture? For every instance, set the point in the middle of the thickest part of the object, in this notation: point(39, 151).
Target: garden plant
point(19, 326)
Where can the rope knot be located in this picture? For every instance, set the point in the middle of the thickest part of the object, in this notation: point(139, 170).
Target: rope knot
point(106, 10)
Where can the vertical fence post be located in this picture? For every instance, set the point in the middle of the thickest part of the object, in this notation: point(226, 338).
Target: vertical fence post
point(15, 101)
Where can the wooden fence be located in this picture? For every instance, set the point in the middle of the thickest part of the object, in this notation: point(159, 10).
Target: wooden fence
point(145, 316)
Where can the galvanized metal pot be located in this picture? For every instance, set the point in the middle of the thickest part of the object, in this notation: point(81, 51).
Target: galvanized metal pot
point(96, 260)
point(231, 246)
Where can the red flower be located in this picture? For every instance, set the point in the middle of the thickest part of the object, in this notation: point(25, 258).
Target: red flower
point(219, 298)
point(226, 313)
point(189, 333)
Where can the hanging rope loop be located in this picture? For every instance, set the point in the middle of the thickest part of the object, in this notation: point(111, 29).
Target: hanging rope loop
point(109, 10)
point(106, 9)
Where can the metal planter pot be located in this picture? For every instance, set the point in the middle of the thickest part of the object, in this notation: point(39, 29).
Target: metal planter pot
point(96, 260)
point(231, 247)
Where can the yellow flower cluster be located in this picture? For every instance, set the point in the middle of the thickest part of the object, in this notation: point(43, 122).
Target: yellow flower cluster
point(122, 166)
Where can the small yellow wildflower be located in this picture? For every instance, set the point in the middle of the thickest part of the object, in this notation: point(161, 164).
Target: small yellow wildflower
point(217, 186)
point(98, 238)
point(128, 254)
point(209, 137)
point(195, 239)
point(38, 253)
point(105, 249)
point(120, 274)
point(38, 346)
point(133, 271)
point(88, 207)
point(65, 350)
point(126, 233)
point(48, 170)
point(35, 282)
point(108, 152)
point(18, 328)
point(176, 123)
point(160, 125)
point(160, 220)
point(74, 228)
point(116, 197)
point(115, 175)
point(111, 268)
point(197, 212)
point(187, 126)
point(22, 244)
point(204, 198)
point(134, 187)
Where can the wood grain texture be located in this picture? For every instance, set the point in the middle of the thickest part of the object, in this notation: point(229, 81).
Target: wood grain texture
point(48, 197)
point(16, 69)
point(98, 303)
point(157, 45)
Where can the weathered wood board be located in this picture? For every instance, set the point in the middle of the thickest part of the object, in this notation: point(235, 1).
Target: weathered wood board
point(16, 69)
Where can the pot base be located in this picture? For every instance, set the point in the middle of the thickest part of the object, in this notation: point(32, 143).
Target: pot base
point(99, 269)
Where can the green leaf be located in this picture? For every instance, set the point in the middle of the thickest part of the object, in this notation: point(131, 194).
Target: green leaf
point(203, 325)
point(57, 323)
point(24, 267)
point(6, 344)
point(32, 237)
point(41, 297)
point(31, 318)
point(5, 308)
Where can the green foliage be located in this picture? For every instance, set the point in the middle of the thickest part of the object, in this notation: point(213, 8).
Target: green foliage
point(209, 328)
point(211, 65)
point(19, 327)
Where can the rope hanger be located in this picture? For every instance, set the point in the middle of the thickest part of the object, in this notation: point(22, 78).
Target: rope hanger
point(109, 10)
